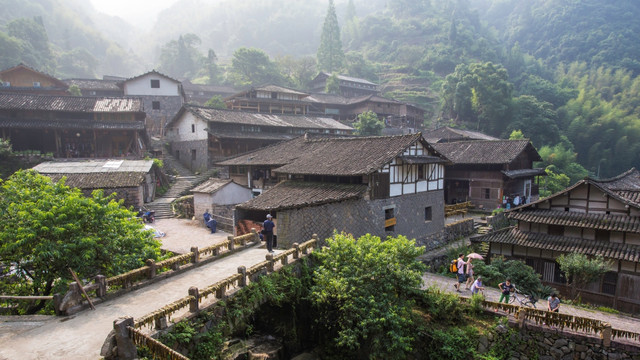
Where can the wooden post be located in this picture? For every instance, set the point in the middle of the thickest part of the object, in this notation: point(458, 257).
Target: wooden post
point(232, 242)
point(75, 277)
point(195, 258)
point(243, 271)
point(126, 348)
point(152, 268)
point(193, 304)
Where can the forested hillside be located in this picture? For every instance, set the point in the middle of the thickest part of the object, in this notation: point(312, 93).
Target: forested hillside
point(562, 73)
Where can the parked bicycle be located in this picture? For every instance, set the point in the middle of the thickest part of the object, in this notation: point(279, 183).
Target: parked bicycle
point(523, 299)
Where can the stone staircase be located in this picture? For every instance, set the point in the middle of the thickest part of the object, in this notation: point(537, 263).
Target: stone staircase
point(185, 180)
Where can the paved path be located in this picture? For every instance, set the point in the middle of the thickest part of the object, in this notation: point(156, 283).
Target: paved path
point(621, 322)
point(81, 336)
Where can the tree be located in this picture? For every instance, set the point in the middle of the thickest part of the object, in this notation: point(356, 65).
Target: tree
point(333, 85)
point(368, 124)
point(251, 67)
point(181, 57)
point(74, 90)
point(553, 182)
point(536, 119)
point(48, 227)
point(580, 270)
point(363, 290)
point(299, 72)
point(216, 102)
point(330, 54)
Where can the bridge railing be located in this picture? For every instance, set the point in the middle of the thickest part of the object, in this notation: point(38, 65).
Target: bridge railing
point(562, 321)
point(224, 288)
point(114, 286)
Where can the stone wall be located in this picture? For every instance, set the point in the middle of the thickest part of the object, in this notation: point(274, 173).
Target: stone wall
point(184, 148)
point(157, 119)
point(552, 344)
point(360, 217)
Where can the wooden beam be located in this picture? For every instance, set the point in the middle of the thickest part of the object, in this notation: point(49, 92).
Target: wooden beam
point(80, 285)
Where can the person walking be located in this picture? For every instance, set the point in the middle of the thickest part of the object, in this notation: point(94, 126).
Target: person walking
point(506, 288)
point(460, 274)
point(477, 286)
point(470, 278)
point(553, 303)
point(267, 227)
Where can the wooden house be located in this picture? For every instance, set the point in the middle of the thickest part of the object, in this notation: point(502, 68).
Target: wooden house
point(73, 126)
point(486, 172)
point(97, 87)
point(270, 99)
point(593, 217)
point(200, 136)
point(133, 181)
point(386, 185)
point(25, 80)
point(199, 94)
point(349, 86)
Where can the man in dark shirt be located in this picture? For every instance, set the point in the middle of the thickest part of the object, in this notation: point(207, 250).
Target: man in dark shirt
point(506, 288)
point(267, 227)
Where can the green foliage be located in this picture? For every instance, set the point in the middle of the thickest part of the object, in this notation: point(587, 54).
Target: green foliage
point(216, 102)
point(560, 160)
point(333, 85)
point(444, 308)
point(552, 183)
point(368, 124)
point(181, 58)
point(581, 270)
point(522, 276)
point(457, 342)
point(330, 55)
point(516, 135)
point(46, 228)
point(362, 291)
point(74, 90)
point(251, 67)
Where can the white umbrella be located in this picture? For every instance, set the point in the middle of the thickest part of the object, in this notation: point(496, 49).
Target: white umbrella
point(475, 256)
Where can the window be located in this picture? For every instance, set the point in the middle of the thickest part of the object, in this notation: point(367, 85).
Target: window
point(193, 128)
point(486, 193)
point(155, 105)
point(602, 235)
point(6, 83)
point(389, 220)
point(193, 154)
point(609, 282)
point(155, 84)
point(427, 213)
point(556, 230)
point(420, 172)
point(36, 84)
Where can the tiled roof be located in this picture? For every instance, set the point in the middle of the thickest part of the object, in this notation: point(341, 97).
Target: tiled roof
point(100, 180)
point(70, 103)
point(94, 84)
point(228, 134)
point(446, 133)
point(150, 72)
point(578, 219)
point(260, 119)
point(293, 195)
point(485, 151)
point(332, 99)
point(333, 156)
point(21, 65)
point(269, 88)
point(82, 124)
point(94, 166)
point(514, 174)
point(349, 78)
point(350, 156)
point(606, 249)
point(210, 186)
point(627, 181)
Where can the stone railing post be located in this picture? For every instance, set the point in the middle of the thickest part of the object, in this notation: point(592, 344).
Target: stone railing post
point(57, 304)
point(520, 315)
point(256, 236)
point(152, 268)
point(101, 280)
point(606, 335)
point(193, 303)
point(215, 252)
point(285, 260)
point(161, 323)
point(271, 264)
point(126, 348)
point(296, 255)
point(195, 257)
point(221, 291)
point(232, 242)
point(242, 270)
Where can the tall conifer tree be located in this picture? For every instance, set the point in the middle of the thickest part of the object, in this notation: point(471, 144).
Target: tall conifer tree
point(330, 54)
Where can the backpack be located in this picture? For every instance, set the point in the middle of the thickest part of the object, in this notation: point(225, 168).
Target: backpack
point(453, 267)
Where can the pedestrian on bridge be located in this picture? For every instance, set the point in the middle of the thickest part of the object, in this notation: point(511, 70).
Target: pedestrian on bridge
point(267, 228)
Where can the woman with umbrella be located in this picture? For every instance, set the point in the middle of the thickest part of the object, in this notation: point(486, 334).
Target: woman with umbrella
point(470, 278)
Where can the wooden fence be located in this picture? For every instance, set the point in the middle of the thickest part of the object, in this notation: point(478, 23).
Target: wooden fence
point(457, 209)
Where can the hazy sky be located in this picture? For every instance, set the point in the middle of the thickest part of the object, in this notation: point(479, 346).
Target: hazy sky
point(130, 9)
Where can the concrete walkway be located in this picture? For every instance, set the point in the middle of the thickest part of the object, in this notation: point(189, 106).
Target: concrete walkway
point(622, 322)
point(81, 336)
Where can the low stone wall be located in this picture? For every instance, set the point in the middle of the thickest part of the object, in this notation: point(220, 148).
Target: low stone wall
point(550, 344)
